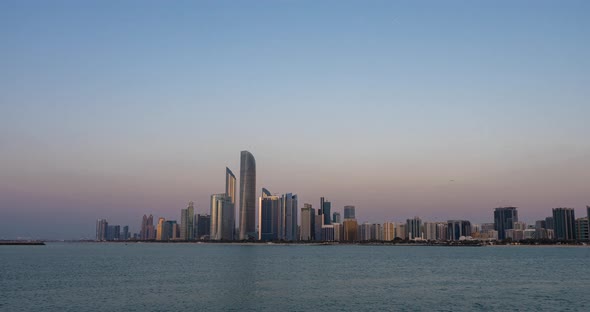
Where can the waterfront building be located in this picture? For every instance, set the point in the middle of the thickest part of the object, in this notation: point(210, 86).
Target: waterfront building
point(441, 231)
point(504, 218)
point(143, 228)
point(318, 223)
point(203, 226)
point(349, 212)
point(247, 196)
point(113, 232)
point(400, 231)
point(336, 218)
point(519, 225)
point(582, 229)
point(457, 229)
point(289, 211)
point(150, 232)
point(564, 222)
point(338, 231)
point(187, 219)
point(365, 231)
point(430, 231)
point(388, 231)
point(269, 217)
point(101, 230)
point(125, 235)
point(325, 207)
point(222, 217)
point(160, 229)
point(350, 230)
point(376, 232)
point(529, 233)
point(328, 233)
point(307, 222)
point(413, 228)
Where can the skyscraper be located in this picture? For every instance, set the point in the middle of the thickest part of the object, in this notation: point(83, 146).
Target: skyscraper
point(564, 222)
point(388, 231)
point(289, 209)
point(150, 230)
point(160, 230)
point(101, 229)
point(504, 218)
point(143, 231)
point(230, 185)
point(307, 222)
point(222, 217)
point(269, 216)
point(349, 212)
point(324, 211)
point(187, 219)
point(247, 196)
point(350, 230)
point(413, 226)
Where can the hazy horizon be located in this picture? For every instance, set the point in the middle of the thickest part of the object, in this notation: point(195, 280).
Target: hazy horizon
point(442, 110)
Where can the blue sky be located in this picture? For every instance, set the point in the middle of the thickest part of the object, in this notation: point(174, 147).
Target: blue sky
point(115, 109)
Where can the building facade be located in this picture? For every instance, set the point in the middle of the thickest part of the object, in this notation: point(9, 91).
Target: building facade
point(247, 196)
point(504, 218)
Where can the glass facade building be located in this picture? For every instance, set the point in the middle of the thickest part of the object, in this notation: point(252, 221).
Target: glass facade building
point(247, 196)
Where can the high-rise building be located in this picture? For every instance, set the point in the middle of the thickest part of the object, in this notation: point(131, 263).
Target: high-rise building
point(504, 218)
point(269, 217)
point(388, 231)
point(338, 231)
point(222, 217)
point(413, 226)
point(169, 228)
point(150, 229)
point(318, 223)
point(247, 196)
point(400, 230)
point(203, 226)
point(365, 231)
point(336, 218)
point(441, 231)
point(588, 212)
point(113, 232)
point(582, 229)
point(564, 220)
point(160, 235)
point(349, 212)
point(125, 235)
point(430, 231)
point(187, 219)
point(307, 222)
point(143, 228)
point(289, 211)
point(328, 233)
point(458, 228)
point(350, 230)
point(230, 185)
point(101, 230)
point(325, 207)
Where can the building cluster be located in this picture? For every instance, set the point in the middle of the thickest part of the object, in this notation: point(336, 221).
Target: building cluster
point(279, 220)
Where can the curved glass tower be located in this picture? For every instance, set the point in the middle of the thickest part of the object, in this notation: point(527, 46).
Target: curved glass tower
point(247, 196)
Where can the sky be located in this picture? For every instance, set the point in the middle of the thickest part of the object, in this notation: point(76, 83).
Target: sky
point(437, 109)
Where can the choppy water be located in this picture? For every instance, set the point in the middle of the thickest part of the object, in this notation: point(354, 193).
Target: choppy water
point(198, 277)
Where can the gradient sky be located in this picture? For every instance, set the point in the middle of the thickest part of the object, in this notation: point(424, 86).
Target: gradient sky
point(437, 109)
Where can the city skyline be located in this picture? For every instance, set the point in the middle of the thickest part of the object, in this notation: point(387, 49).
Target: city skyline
point(402, 109)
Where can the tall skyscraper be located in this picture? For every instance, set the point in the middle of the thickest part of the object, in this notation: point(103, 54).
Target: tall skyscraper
point(150, 230)
point(318, 223)
point(504, 218)
point(349, 212)
point(187, 219)
point(324, 211)
point(564, 221)
point(222, 217)
point(160, 230)
point(414, 228)
point(582, 229)
point(125, 233)
point(247, 196)
point(101, 229)
point(307, 222)
point(230, 185)
point(269, 217)
point(289, 209)
point(143, 231)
